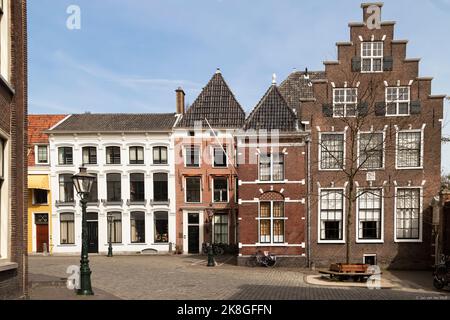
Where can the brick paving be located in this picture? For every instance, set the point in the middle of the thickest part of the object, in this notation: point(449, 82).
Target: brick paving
point(188, 278)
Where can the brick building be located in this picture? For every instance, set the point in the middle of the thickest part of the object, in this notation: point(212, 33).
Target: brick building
point(205, 167)
point(376, 131)
point(39, 193)
point(13, 147)
point(272, 181)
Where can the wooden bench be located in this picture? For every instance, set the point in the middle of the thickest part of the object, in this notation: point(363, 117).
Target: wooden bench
point(342, 276)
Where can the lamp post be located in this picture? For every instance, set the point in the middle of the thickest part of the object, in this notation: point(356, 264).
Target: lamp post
point(110, 248)
point(211, 261)
point(83, 183)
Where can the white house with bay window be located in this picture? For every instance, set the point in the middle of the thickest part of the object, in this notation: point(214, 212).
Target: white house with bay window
point(132, 158)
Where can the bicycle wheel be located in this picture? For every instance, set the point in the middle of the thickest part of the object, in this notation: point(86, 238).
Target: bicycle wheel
point(271, 262)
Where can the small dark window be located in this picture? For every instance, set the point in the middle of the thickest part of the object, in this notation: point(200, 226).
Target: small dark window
point(93, 195)
point(65, 156)
point(114, 188)
point(161, 227)
point(332, 230)
point(220, 190)
point(42, 155)
point(40, 196)
point(113, 155)
point(193, 156)
point(137, 222)
point(89, 155)
point(160, 187)
point(160, 155)
point(193, 218)
point(220, 157)
point(193, 185)
point(137, 188)
point(66, 190)
point(136, 155)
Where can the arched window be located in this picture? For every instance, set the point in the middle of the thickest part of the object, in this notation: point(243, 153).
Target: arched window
point(113, 187)
point(137, 187)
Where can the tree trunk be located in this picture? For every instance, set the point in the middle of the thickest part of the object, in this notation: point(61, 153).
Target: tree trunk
point(349, 220)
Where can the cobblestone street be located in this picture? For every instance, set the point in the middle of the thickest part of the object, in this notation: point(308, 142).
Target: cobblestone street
point(188, 278)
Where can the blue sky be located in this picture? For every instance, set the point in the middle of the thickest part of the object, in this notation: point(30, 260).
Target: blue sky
point(130, 56)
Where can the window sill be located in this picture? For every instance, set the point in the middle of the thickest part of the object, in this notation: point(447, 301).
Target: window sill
point(66, 245)
point(331, 242)
point(408, 241)
point(65, 204)
point(411, 168)
point(160, 244)
point(6, 266)
point(362, 241)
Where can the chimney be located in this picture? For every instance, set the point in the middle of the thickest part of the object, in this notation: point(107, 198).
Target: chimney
point(180, 100)
point(370, 9)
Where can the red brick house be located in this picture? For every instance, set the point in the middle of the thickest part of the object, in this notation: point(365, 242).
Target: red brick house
point(13, 150)
point(376, 130)
point(272, 181)
point(205, 167)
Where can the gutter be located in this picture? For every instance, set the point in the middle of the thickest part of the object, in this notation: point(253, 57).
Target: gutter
point(308, 220)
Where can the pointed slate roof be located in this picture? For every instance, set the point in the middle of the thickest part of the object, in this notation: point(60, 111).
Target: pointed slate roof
point(297, 87)
point(217, 103)
point(272, 113)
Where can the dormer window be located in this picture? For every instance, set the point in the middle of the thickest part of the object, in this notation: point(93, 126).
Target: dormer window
point(344, 102)
point(398, 101)
point(372, 56)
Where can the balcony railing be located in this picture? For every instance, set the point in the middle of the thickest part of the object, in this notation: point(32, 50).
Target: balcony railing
point(160, 202)
point(136, 202)
point(106, 202)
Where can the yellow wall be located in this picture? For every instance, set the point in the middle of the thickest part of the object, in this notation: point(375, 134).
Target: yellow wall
point(32, 209)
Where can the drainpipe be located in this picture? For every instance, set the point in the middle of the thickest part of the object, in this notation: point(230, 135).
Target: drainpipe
point(308, 220)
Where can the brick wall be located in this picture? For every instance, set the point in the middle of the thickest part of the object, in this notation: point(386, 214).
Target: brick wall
point(14, 283)
point(295, 191)
point(371, 89)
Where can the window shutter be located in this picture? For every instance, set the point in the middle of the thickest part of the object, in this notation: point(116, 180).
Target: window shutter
point(380, 109)
point(388, 64)
point(363, 109)
point(327, 110)
point(415, 107)
point(356, 64)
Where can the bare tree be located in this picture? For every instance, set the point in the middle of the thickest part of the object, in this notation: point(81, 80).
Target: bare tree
point(367, 142)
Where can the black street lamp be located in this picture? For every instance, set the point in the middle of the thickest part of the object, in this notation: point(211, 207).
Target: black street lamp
point(110, 248)
point(211, 260)
point(83, 183)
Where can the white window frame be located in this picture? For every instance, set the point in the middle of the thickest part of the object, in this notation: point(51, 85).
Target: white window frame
point(358, 239)
point(271, 181)
point(199, 156)
point(420, 240)
point(345, 103)
point(422, 133)
point(228, 189)
point(122, 162)
point(397, 102)
point(201, 189)
point(367, 255)
point(372, 56)
point(319, 208)
point(213, 148)
point(320, 150)
point(73, 155)
point(36, 154)
point(384, 149)
point(214, 223)
point(153, 155)
point(271, 219)
point(5, 201)
point(82, 154)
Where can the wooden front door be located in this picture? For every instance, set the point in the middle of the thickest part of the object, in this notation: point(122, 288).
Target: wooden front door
point(41, 221)
point(193, 239)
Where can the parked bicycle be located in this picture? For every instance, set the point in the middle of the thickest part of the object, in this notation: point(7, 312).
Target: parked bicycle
point(263, 259)
point(218, 249)
point(442, 273)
